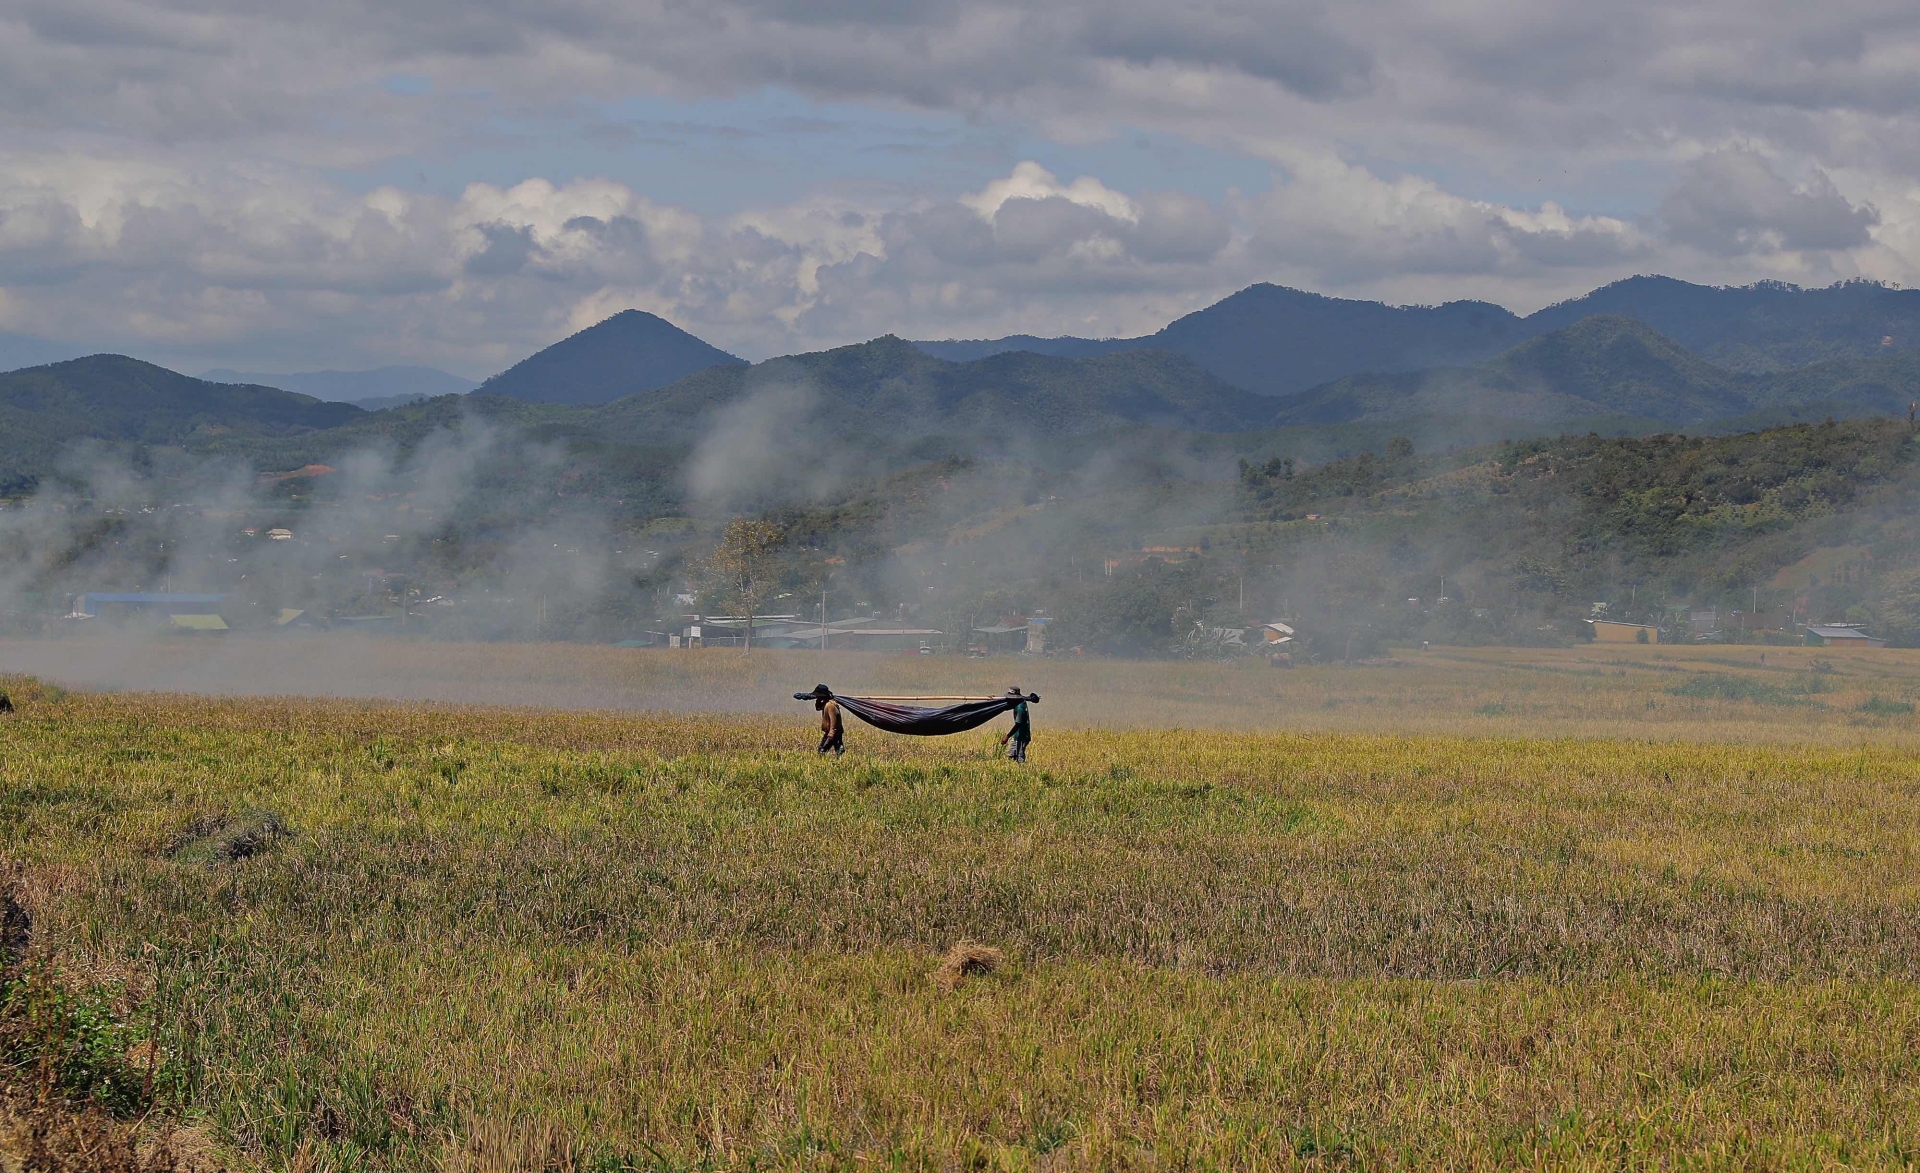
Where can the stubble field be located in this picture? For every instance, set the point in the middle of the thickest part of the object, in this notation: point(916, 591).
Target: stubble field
point(1470, 908)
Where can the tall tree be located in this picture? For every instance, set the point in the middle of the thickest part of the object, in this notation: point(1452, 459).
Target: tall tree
point(745, 566)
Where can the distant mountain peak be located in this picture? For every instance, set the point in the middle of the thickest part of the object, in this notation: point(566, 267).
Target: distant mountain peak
point(630, 352)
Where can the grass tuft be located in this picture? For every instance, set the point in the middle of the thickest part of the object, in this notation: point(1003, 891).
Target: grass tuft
point(43, 1136)
point(225, 838)
point(502, 1147)
point(967, 959)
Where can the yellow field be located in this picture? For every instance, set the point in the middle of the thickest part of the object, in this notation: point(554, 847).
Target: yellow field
point(1470, 908)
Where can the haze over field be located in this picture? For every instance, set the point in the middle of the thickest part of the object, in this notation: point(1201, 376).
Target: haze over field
point(1668, 695)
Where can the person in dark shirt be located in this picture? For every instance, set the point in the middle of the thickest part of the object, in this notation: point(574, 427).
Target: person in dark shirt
point(1022, 732)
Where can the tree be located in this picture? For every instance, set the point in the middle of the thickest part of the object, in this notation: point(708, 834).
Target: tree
point(745, 566)
point(1897, 610)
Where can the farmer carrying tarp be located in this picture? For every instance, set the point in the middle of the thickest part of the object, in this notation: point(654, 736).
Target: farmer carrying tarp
point(1016, 739)
point(968, 712)
point(833, 732)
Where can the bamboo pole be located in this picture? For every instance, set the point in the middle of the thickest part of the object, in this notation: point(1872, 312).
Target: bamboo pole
point(799, 696)
point(924, 698)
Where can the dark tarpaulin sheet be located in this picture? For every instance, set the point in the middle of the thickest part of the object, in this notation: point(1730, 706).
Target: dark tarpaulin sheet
point(922, 722)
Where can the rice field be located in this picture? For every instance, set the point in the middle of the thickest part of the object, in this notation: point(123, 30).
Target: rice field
point(1467, 908)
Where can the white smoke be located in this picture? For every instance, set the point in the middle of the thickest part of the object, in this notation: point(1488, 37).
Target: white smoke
point(777, 444)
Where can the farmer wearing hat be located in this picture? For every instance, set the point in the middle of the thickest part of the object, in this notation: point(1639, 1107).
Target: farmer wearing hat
point(1022, 732)
point(832, 732)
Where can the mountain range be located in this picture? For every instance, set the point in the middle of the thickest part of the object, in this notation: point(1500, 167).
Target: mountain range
point(1455, 374)
point(1279, 341)
point(1604, 372)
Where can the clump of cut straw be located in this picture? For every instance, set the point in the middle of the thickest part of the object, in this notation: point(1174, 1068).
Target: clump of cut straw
point(966, 960)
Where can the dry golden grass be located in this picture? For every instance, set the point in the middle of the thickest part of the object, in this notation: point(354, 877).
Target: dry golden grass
point(495, 939)
point(966, 959)
point(38, 1135)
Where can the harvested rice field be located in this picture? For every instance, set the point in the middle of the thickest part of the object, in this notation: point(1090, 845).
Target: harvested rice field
point(1467, 908)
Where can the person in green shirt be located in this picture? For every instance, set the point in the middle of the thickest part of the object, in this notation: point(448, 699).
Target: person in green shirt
point(1022, 732)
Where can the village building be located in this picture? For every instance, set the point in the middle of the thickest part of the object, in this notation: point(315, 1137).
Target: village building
point(1841, 635)
point(1610, 631)
point(1009, 635)
point(1774, 619)
point(1275, 633)
point(182, 612)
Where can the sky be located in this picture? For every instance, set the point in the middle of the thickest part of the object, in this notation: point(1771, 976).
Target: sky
point(286, 185)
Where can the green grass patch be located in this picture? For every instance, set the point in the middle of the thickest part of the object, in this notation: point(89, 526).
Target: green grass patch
point(1725, 687)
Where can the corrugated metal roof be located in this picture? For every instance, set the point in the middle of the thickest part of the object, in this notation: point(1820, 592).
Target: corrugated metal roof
point(110, 597)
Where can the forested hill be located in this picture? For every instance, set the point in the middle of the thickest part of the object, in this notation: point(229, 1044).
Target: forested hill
point(1550, 527)
point(1279, 341)
point(1511, 543)
point(889, 386)
point(1770, 326)
point(118, 400)
point(1616, 374)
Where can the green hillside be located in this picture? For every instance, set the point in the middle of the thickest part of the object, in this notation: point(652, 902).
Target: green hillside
point(1514, 543)
point(1597, 368)
point(1619, 364)
point(112, 397)
point(1768, 326)
point(122, 401)
point(1617, 375)
point(892, 387)
point(1509, 543)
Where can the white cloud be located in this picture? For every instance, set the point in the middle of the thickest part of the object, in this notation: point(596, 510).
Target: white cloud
point(1030, 181)
point(275, 266)
point(1349, 226)
point(1732, 202)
